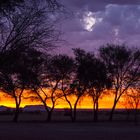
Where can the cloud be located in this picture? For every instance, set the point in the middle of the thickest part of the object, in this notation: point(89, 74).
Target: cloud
point(96, 5)
point(117, 21)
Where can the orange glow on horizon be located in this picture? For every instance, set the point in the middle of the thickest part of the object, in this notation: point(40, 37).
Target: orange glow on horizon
point(85, 103)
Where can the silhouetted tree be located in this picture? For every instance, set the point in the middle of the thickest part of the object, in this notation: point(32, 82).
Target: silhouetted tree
point(9, 79)
point(98, 82)
point(123, 67)
point(92, 75)
point(31, 26)
point(132, 101)
point(51, 81)
point(20, 30)
point(79, 83)
point(49, 87)
point(64, 68)
point(7, 6)
point(34, 75)
point(15, 76)
point(59, 71)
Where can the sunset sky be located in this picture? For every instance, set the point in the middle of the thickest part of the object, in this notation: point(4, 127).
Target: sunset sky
point(85, 102)
point(93, 23)
point(97, 22)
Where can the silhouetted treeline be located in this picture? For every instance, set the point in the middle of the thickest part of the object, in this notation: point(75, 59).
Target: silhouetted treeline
point(116, 68)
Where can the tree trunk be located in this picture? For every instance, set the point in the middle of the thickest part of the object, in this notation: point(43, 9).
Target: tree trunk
point(97, 106)
point(71, 116)
point(71, 110)
point(93, 111)
point(74, 114)
point(75, 109)
point(49, 117)
point(16, 115)
point(17, 102)
point(96, 111)
point(112, 111)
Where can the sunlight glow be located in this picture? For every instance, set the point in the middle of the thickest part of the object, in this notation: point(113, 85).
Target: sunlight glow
point(89, 21)
point(85, 102)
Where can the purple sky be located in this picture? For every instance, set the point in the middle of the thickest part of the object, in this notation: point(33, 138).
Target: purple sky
point(97, 22)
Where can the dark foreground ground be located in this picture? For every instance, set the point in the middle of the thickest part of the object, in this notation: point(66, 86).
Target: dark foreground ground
point(32, 126)
point(69, 131)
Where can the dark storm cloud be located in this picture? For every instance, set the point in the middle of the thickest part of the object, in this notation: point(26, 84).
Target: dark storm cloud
point(96, 5)
point(117, 21)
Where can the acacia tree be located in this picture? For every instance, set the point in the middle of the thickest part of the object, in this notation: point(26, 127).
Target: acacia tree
point(92, 75)
point(98, 82)
point(31, 26)
point(132, 101)
point(123, 67)
point(14, 74)
point(9, 79)
point(50, 78)
point(60, 68)
point(47, 91)
point(79, 83)
point(24, 26)
point(63, 69)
